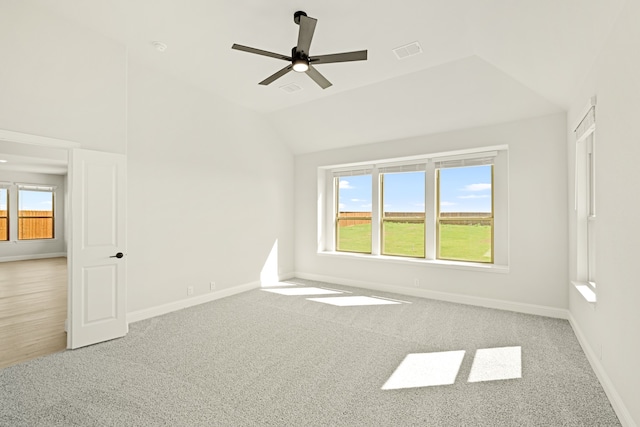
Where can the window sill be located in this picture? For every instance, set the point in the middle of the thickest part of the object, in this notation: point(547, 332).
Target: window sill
point(586, 291)
point(30, 241)
point(456, 265)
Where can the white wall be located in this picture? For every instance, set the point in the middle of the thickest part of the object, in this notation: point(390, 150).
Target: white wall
point(610, 328)
point(28, 249)
point(210, 185)
point(210, 192)
point(537, 209)
point(59, 80)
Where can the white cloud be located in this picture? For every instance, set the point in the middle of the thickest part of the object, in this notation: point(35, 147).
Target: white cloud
point(444, 203)
point(344, 185)
point(358, 200)
point(367, 206)
point(474, 196)
point(477, 187)
point(341, 206)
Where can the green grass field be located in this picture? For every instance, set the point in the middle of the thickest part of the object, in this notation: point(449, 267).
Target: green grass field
point(457, 242)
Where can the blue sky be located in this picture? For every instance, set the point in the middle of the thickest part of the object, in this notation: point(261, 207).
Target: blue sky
point(465, 189)
point(3, 199)
point(35, 200)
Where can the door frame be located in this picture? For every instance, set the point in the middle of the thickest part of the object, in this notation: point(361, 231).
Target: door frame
point(43, 141)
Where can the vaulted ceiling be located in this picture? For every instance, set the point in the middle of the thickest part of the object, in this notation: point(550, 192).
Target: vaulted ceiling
point(482, 61)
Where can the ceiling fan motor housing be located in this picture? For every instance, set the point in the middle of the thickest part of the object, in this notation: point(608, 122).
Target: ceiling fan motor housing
point(297, 15)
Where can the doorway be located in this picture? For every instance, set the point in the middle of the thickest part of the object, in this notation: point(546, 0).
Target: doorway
point(94, 234)
point(33, 269)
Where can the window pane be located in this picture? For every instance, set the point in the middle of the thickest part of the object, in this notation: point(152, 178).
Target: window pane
point(470, 241)
point(403, 214)
point(354, 238)
point(465, 217)
point(353, 225)
point(4, 229)
point(403, 238)
point(35, 228)
point(35, 215)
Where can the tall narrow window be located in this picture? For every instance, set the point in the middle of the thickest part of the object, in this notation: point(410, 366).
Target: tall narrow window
point(35, 212)
point(465, 210)
point(591, 209)
point(353, 211)
point(585, 202)
point(4, 214)
point(403, 210)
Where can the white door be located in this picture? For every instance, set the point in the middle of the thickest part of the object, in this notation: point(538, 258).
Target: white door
point(97, 263)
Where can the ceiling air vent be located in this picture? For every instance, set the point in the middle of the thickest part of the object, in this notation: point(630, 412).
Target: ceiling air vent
point(291, 87)
point(408, 50)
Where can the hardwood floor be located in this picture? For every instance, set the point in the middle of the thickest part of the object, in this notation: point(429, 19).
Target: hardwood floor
point(33, 308)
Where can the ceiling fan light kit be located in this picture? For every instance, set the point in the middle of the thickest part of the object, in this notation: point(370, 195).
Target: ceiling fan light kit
point(300, 60)
point(300, 63)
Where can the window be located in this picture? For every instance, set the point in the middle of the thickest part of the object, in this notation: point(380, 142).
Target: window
point(585, 200)
point(4, 214)
point(403, 210)
point(465, 210)
point(353, 213)
point(35, 212)
point(445, 208)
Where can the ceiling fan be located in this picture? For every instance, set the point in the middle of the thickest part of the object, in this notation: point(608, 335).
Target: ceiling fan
point(300, 60)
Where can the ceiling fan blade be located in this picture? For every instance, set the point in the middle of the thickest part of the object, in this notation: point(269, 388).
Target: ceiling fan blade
point(360, 55)
point(277, 75)
point(318, 78)
point(305, 35)
point(260, 52)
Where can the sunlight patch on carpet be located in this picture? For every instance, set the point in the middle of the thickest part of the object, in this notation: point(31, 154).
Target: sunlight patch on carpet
point(277, 284)
point(491, 364)
point(302, 291)
point(426, 370)
point(353, 301)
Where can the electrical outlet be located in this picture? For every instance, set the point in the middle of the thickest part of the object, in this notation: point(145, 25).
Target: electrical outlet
point(212, 286)
point(190, 290)
point(416, 283)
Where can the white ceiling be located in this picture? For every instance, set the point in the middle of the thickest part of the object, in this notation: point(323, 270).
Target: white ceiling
point(32, 158)
point(483, 61)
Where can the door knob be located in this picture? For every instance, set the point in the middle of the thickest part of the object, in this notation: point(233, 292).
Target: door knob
point(118, 255)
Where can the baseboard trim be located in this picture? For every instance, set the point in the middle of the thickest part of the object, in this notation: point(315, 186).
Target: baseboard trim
point(34, 256)
point(147, 313)
point(539, 310)
point(616, 401)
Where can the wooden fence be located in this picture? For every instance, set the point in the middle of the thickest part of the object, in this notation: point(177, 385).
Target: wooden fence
point(4, 232)
point(457, 218)
point(31, 225)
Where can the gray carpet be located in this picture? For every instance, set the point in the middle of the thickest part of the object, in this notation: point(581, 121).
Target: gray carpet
point(263, 359)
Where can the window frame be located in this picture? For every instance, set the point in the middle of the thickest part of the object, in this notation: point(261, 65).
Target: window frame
point(585, 200)
point(354, 218)
point(439, 219)
point(39, 188)
point(7, 215)
point(585, 204)
point(390, 219)
point(591, 211)
point(327, 205)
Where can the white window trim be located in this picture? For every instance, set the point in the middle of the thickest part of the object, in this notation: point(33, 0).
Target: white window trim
point(584, 203)
point(326, 209)
point(13, 189)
